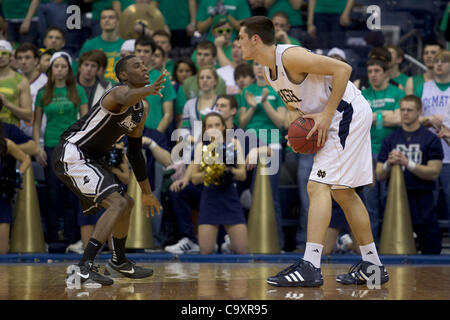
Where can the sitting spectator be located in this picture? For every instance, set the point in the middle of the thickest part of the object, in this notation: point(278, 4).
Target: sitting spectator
point(87, 77)
point(44, 60)
point(219, 203)
point(429, 52)
point(8, 147)
point(15, 94)
point(206, 56)
point(227, 72)
point(420, 153)
point(162, 39)
point(158, 60)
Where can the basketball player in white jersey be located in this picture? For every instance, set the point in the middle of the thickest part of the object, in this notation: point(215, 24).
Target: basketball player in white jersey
point(318, 87)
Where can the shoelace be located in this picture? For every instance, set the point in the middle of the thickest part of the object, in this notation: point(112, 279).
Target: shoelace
point(94, 268)
point(354, 270)
point(289, 269)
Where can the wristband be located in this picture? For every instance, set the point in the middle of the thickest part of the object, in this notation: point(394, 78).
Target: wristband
point(386, 167)
point(411, 165)
point(152, 144)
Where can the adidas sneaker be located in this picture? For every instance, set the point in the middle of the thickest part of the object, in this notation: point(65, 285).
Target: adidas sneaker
point(300, 274)
point(183, 246)
point(360, 274)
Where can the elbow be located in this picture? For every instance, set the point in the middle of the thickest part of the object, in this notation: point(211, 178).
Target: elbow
point(28, 116)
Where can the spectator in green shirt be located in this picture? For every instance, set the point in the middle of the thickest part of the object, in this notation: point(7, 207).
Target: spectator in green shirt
point(394, 67)
point(183, 69)
point(109, 41)
point(162, 39)
point(21, 17)
point(429, 52)
point(62, 101)
point(282, 26)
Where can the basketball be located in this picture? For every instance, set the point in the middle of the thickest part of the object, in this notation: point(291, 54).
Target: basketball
point(298, 130)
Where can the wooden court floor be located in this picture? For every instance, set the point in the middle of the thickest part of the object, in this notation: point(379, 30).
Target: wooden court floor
point(220, 281)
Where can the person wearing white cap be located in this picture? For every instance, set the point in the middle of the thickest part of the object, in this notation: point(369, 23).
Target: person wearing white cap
point(62, 101)
point(337, 54)
point(14, 90)
point(127, 48)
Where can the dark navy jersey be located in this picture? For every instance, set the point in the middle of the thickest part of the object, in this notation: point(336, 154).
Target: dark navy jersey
point(419, 146)
point(97, 131)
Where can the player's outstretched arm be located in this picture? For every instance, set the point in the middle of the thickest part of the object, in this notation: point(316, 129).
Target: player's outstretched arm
point(124, 96)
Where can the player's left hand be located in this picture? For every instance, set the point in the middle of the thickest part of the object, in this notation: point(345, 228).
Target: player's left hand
point(150, 203)
point(322, 122)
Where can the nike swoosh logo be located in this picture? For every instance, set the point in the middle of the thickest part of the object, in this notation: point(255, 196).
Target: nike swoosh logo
point(83, 276)
point(128, 271)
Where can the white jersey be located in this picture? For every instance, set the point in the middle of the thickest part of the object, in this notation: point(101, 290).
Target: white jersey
point(434, 102)
point(346, 159)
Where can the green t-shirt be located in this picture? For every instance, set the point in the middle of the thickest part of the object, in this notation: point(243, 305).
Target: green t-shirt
point(402, 79)
point(9, 89)
point(387, 99)
point(418, 81)
point(126, 3)
point(191, 89)
point(156, 102)
point(170, 64)
point(176, 19)
point(330, 6)
point(14, 9)
point(238, 9)
point(260, 119)
point(180, 102)
point(60, 113)
point(112, 51)
point(295, 19)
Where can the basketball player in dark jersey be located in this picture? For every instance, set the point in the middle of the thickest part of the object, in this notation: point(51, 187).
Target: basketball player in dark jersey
point(77, 161)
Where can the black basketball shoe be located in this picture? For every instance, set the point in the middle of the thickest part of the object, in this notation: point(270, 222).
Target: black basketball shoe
point(86, 275)
point(360, 274)
point(127, 269)
point(300, 274)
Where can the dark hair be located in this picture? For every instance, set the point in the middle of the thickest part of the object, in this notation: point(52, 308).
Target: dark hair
point(377, 62)
point(23, 47)
point(281, 14)
point(122, 64)
point(231, 99)
point(109, 9)
point(380, 53)
point(145, 42)
point(99, 56)
point(214, 114)
point(71, 85)
point(261, 26)
point(160, 49)
point(397, 49)
point(433, 43)
point(207, 45)
point(61, 31)
point(86, 56)
point(187, 61)
point(242, 70)
point(412, 98)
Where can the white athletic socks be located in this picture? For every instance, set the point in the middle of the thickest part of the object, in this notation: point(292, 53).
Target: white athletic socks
point(313, 253)
point(369, 253)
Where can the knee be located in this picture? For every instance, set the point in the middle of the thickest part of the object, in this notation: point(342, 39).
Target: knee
point(344, 195)
point(315, 188)
point(121, 204)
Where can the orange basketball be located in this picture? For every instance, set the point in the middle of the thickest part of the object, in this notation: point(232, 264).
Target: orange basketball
point(298, 130)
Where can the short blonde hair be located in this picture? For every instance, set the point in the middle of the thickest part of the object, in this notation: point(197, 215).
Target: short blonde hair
point(442, 55)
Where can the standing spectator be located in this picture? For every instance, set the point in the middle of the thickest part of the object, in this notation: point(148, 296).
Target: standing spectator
point(181, 21)
point(384, 99)
point(220, 204)
point(183, 69)
point(234, 10)
point(394, 67)
point(206, 56)
point(14, 90)
point(27, 55)
point(22, 19)
point(282, 26)
point(93, 86)
point(61, 100)
point(227, 71)
point(54, 39)
point(262, 108)
point(8, 147)
point(109, 41)
point(98, 6)
point(52, 14)
point(326, 21)
point(435, 96)
point(429, 52)
point(162, 39)
point(420, 153)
